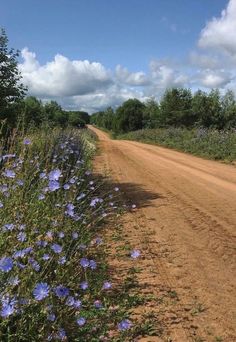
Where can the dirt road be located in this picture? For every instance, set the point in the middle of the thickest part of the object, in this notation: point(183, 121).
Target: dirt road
point(188, 204)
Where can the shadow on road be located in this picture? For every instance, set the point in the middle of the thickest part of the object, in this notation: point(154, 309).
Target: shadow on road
point(131, 193)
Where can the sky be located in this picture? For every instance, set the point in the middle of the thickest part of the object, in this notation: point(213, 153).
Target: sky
point(91, 54)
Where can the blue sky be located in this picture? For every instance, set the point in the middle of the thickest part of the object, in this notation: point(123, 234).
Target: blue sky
point(133, 48)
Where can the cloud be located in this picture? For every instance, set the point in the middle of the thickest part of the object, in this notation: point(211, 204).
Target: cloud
point(112, 97)
point(205, 61)
point(213, 79)
point(220, 33)
point(131, 78)
point(163, 75)
point(62, 77)
point(92, 87)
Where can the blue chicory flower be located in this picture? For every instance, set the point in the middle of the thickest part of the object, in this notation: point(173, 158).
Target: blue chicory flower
point(56, 248)
point(54, 175)
point(61, 291)
point(6, 264)
point(135, 254)
point(124, 325)
point(84, 262)
point(41, 291)
point(8, 308)
point(9, 173)
point(53, 185)
point(81, 321)
point(84, 285)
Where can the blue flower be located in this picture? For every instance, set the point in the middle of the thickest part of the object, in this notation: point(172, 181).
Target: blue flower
point(61, 291)
point(75, 235)
point(84, 263)
point(41, 291)
point(8, 308)
point(92, 264)
point(61, 334)
point(20, 182)
point(46, 257)
point(61, 235)
point(9, 173)
point(70, 210)
point(41, 197)
point(35, 265)
point(13, 281)
point(54, 175)
point(53, 185)
point(81, 321)
point(1, 205)
point(42, 175)
point(107, 285)
point(6, 264)
point(95, 201)
point(98, 304)
point(51, 317)
point(56, 248)
point(27, 141)
point(66, 186)
point(124, 325)
point(98, 241)
point(21, 237)
point(135, 254)
point(84, 285)
point(8, 226)
point(70, 301)
point(77, 304)
point(62, 260)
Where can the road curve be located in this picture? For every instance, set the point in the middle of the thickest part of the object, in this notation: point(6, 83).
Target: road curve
point(190, 204)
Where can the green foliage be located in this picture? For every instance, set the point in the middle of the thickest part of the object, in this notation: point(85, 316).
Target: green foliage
point(151, 114)
point(208, 143)
point(178, 107)
point(129, 116)
point(11, 90)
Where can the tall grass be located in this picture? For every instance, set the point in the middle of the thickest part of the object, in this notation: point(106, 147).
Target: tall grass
point(212, 144)
point(53, 279)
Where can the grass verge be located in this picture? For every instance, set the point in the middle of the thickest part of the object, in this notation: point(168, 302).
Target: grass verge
point(54, 279)
point(209, 144)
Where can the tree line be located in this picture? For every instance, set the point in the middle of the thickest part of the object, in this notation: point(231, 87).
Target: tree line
point(17, 110)
point(178, 107)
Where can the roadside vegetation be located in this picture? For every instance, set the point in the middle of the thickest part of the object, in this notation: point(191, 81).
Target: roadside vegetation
point(207, 143)
point(55, 280)
point(200, 123)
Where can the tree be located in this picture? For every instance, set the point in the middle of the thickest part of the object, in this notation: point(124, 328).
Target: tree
point(32, 112)
point(11, 90)
point(176, 108)
point(129, 116)
point(229, 109)
point(216, 117)
point(50, 110)
point(201, 108)
point(151, 115)
point(74, 119)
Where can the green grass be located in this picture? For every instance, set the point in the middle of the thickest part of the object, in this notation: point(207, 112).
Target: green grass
point(210, 144)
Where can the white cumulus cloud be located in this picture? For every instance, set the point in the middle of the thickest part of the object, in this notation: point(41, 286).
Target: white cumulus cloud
point(214, 79)
point(62, 77)
point(131, 78)
point(220, 33)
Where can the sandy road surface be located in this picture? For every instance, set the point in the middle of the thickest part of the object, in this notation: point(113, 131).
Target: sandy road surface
point(190, 205)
